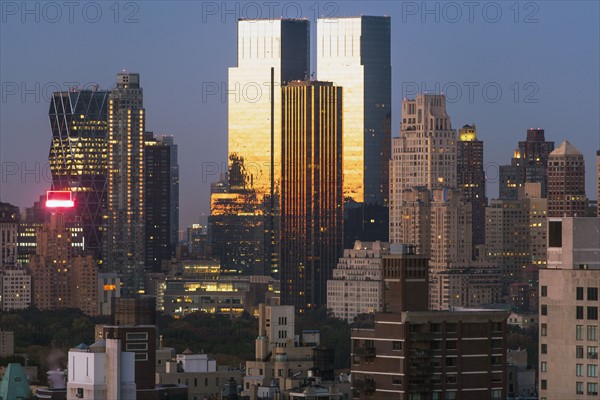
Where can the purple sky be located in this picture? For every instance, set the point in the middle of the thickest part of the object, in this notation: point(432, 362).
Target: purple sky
point(543, 56)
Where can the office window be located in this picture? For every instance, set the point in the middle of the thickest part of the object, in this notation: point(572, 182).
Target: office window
point(544, 348)
point(544, 366)
point(544, 384)
point(544, 309)
point(579, 388)
point(592, 352)
point(592, 313)
point(544, 330)
point(578, 369)
point(579, 352)
point(592, 388)
point(578, 332)
point(579, 292)
point(592, 332)
point(544, 291)
point(579, 312)
point(592, 371)
point(592, 293)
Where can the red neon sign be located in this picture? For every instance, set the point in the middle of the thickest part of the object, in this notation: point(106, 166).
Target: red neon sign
point(59, 198)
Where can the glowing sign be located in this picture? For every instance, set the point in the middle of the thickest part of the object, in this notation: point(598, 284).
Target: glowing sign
point(59, 198)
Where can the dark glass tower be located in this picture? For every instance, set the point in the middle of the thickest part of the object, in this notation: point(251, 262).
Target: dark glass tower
point(311, 191)
point(470, 178)
point(174, 231)
point(157, 156)
point(78, 157)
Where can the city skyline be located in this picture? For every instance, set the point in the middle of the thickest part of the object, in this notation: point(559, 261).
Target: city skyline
point(203, 130)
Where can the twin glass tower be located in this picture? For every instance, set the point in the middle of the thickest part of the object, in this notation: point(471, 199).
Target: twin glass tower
point(352, 53)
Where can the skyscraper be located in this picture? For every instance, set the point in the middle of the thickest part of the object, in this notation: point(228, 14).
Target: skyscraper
point(311, 191)
point(124, 240)
point(470, 178)
point(78, 157)
point(529, 164)
point(254, 118)
point(174, 234)
point(355, 53)
point(282, 44)
point(566, 182)
point(157, 200)
point(423, 155)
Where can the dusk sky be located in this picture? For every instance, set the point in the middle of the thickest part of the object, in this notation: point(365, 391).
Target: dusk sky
point(543, 56)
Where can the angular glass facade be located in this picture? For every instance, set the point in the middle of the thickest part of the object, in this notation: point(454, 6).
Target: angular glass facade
point(78, 157)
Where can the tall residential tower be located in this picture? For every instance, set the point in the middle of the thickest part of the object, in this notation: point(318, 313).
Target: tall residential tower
point(125, 233)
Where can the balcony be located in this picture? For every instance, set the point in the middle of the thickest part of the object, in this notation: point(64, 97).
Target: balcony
point(424, 336)
point(366, 352)
point(364, 385)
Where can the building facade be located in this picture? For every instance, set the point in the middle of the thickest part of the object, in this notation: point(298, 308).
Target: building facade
point(101, 371)
point(568, 310)
point(529, 164)
point(566, 182)
point(15, 287)
point(356, 286)
point(61, 278)
point(238, 222)
point(311, 191)
point(425, 154)
point(126, 212)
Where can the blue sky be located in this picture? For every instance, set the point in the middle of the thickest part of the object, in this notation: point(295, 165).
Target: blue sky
point(505, 66)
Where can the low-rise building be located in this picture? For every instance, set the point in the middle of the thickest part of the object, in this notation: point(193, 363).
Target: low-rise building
point(101, 371)
point(283, 359)
point(199, 372)
point(415, 353)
